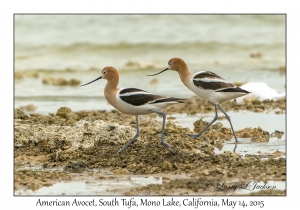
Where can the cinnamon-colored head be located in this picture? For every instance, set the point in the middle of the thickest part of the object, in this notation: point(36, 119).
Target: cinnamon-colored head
point(176, 64)
point(110, 73)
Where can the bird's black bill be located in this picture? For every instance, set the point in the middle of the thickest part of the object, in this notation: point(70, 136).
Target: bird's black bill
point(91, 81)
point(159, 72)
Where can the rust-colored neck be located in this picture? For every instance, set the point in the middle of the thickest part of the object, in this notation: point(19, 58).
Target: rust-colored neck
point(111, 89)
point(184, 73)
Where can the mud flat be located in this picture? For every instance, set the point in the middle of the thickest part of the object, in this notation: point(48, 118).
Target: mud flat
point(75, 153)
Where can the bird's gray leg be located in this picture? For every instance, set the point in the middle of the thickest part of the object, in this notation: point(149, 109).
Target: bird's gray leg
point(136, 135)
point(200, 133)
point(228, 118)
point(234, 148)
point(168, 146)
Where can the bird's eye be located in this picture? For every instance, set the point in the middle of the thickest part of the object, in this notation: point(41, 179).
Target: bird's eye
point(171, 64)
point(104, 72)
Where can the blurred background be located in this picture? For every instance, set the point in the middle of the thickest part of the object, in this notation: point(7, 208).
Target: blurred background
point(54, 54)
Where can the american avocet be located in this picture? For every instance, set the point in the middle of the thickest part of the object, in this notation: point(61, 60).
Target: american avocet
point(207, 85)
point(134, 101)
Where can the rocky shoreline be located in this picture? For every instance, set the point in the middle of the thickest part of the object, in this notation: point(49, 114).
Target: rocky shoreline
point(85, 141)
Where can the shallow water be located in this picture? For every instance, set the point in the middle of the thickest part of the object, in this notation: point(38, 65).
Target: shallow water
point(111, 186)
point(57, 42)
point(254, 120)
point(120, 185)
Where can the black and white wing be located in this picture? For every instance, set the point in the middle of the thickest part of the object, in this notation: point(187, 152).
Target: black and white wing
point(137, 97)
point(208, 80)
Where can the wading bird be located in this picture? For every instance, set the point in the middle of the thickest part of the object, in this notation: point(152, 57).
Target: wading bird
point(134, 101)
point(207, 85)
